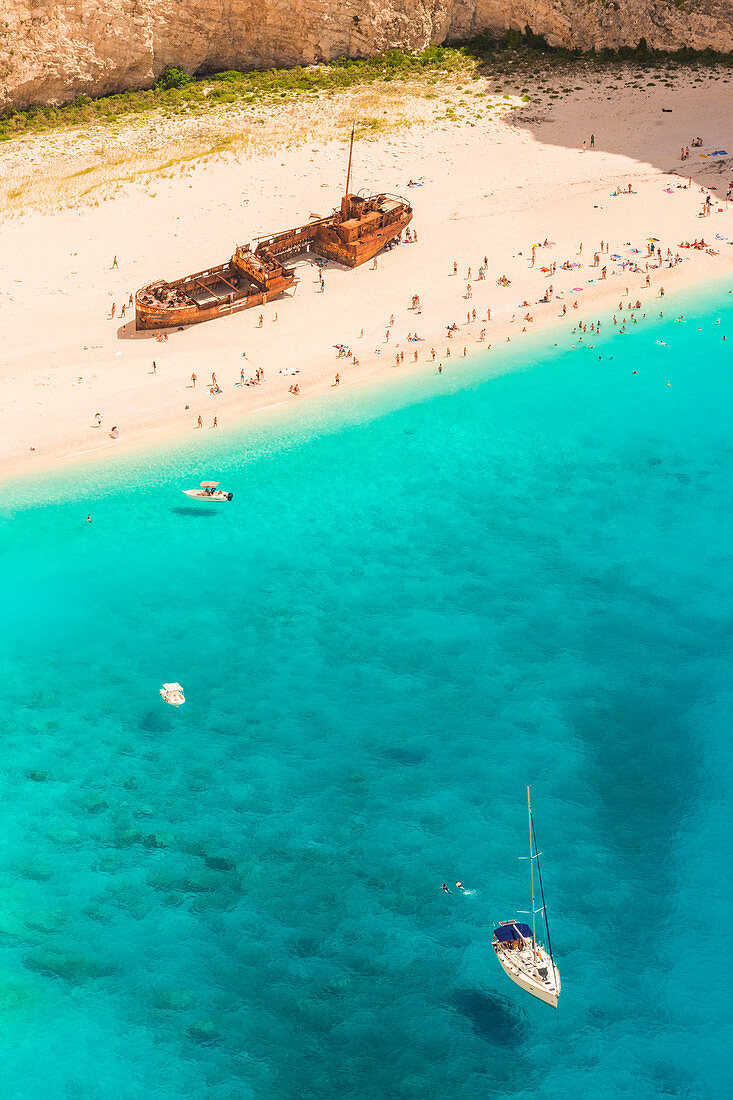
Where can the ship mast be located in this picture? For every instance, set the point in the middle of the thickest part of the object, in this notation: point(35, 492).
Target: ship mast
point(348, 173)
point(531, 875)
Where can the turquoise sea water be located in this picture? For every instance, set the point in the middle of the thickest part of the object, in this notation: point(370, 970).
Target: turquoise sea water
point(402, 619)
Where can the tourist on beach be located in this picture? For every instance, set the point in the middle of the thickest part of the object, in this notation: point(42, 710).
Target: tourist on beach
point(337, 380)
point(215, 424)
point(592, 140)
point(194, 379)
point(155, 368)
point(200, 423)
point(114, 263)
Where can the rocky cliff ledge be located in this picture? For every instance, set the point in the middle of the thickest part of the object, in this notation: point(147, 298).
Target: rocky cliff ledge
point(53, 50)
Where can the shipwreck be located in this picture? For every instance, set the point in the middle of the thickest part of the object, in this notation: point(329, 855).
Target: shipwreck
point(354, 233)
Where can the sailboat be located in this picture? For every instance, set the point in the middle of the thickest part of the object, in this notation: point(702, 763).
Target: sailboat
point(523, 959)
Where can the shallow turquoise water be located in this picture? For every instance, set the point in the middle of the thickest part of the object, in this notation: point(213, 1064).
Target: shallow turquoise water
point(401, 620)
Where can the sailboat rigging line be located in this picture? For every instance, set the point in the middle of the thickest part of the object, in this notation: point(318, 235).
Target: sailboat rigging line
point(542, 890)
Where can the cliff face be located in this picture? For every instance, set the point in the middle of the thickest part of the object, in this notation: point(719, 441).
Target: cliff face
point(53, 50)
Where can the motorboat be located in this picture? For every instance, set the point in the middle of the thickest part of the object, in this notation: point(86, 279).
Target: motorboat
point(526, 961)
point(173, 694)
point(209, 491)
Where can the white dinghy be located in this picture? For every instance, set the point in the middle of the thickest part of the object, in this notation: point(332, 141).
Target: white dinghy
point(209, 491)
point(523, 959)
point(173, 694)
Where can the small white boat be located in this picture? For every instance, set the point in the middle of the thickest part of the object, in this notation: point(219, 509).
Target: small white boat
point(173, 694)
point(523, 959)
point(209, 491)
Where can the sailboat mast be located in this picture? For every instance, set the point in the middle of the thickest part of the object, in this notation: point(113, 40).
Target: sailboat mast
point(531, 872)
point(542, 892)
point(348, 173)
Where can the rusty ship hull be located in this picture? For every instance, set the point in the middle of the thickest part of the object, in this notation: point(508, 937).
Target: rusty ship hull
point(351, 236)
point(216, 292)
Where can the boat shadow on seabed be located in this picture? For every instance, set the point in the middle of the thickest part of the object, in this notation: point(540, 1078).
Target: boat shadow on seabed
point(195, 512)
point(492, 1016)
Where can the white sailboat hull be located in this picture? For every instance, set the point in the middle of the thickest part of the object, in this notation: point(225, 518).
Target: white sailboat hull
point(520, 967)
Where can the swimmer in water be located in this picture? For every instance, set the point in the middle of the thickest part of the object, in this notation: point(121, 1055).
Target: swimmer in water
point(459, 885)
point(444, 887)
point(89, 518)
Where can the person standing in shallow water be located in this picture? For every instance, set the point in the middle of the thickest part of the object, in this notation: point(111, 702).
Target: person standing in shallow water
point(592, 141)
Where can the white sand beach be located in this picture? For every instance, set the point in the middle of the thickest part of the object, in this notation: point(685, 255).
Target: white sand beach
point(491, 185)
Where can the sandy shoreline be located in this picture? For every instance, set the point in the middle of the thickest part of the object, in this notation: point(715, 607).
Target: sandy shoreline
point(490, 187)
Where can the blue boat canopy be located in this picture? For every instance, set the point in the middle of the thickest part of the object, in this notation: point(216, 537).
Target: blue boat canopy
point(506, 932)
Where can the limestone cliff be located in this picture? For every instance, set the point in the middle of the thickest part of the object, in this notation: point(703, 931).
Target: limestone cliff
point(53, 50)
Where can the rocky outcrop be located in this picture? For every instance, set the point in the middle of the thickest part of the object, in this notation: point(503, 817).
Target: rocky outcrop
point(54, 50)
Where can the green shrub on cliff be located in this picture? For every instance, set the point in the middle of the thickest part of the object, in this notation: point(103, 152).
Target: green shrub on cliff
point(172, 77)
